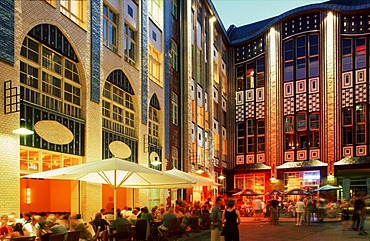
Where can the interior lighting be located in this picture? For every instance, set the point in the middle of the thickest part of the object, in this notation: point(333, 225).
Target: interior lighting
point(221, 177)
point(28, 195)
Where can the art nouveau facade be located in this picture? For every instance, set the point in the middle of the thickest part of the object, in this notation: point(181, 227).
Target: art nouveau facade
point(302, 99)
point(109, 70)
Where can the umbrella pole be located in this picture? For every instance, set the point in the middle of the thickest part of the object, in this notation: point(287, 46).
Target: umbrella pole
point(115, 202)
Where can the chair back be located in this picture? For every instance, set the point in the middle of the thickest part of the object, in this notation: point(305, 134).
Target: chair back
point(123, 232)
point(45, 237)
point(206, 220)
point(73, 236)
point(31, 238)
point(57, 237)
point(194, 224)
point(104, 235)
point(142, 229)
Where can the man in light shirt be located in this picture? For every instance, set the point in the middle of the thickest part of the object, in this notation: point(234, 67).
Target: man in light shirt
point(300, 210)
point(30, 228)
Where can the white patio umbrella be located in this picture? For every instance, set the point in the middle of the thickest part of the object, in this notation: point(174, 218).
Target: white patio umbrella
point(327, 188)
point(117, 173)
point(188, 176)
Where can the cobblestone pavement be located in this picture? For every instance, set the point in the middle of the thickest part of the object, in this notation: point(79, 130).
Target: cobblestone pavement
point(287, 231)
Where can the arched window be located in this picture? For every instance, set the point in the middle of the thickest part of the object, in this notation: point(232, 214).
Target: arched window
point(50, 78)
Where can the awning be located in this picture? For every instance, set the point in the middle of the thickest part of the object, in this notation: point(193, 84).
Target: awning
point(310, 163)
point(349, 160)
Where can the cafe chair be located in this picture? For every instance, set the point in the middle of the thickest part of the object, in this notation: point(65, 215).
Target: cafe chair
point(194, 224)
point(174, 231)
point(73, 236)
point(123, 232)
point(142, 230)
point(57, 237)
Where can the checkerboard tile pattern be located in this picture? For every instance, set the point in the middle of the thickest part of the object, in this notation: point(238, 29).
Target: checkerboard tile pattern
point(289, 106)
point(301, 101)
point(360, 91)
point(260, 110)
point(314, 102)
point(239, 115)
point(347, 97)
point(249, 109)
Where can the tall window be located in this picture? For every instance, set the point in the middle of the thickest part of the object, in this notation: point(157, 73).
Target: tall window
point(155, 65)
point(174, 55)
point(175, 157)
point(302, 130)
point(360, 57)
point(240, 78)
point(240, 138)
point(261, 136)
point(260, 73)
point(50, 79)
point(110, 22)
point(346, 54)
point(174, 8)
point(175, 109)
point(250, 136)
point(129, 44)
point(314, 139)
point(299, 53)
point(347, 126)
point(360, 124)
point(154, 7)
point(118, 110)
point(153, 125)
point(289, 142)
point(74, 10)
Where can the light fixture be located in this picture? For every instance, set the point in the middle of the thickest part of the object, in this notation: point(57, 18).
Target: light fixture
point(154, 159)
point(221, 177)
point(331, 177)
point(273, 179)
point(199, 171)
point(22, 130)
point(28, 195)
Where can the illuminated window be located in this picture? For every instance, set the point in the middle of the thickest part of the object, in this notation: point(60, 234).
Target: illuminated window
point(74, 10)
point(50, 79)
point(155, 65)
point(260, 73)
point(118, 110)
point(240, 78)
point(51, 2)
point(154, 7)
point(110, 22)
point(154, 124)
point(175, 157)
point(174, 55)
point(129, 44)
point(289, 142)
point(250, 76)
point(175, 109)
point(346, 54)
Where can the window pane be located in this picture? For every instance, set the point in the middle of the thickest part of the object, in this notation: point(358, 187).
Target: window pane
point(360, 53)
point(347, 117)
point(314, 121)
point(301, 121)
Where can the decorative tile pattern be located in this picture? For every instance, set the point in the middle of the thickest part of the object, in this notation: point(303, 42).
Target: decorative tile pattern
point(240, 97)
point(249, 50)
point(288, 89)
point(250, 159)
point(144, 62)
point(347, 80)
point(240, 160)
point(302, 155)
point(347, 97)
point(315, 154)
point(95, 51)
point(289, 156)
point(314, 86)
point(301, 101)
point(360, 76)
point(300, 24)
point(239, 115)
point(7, 31)
point(360, 91)
point(260, 94)
point(301, 86)
point(249, 109)
point(288, 106)
point(314, 102)
point(260, 110)
point(361, 150)
point(249, 95)
point(348, 151)
point(261, 158)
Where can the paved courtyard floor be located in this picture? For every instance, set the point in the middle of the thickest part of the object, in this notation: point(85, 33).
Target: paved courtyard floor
point(287, 231)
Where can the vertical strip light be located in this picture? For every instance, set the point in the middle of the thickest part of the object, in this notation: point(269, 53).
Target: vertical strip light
point(28, 195)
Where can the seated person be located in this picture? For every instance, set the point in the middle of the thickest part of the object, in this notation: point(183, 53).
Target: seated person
point(75, 225)
point(166, 221)
point(146, 215)
point(119, 220)
point(99, 222)
point(186, 219)
point(132, 217)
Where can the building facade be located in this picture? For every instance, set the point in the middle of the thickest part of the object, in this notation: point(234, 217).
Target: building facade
point(301, 82)
point(149, 74)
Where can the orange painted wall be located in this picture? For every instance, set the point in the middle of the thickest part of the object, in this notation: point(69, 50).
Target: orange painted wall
point(46, 195)
point(107, 195)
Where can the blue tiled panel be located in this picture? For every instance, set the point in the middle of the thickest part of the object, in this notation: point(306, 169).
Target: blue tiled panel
point(95, 50)
point(144, 62)
point(7, 31)
point(166, 84)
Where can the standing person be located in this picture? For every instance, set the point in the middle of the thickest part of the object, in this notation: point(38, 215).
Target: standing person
point(274, 212)
point(362, 216)
point(257, 208)
point(356, 212)
point(231, 220)
point(299, 210)
point(216, 217)
point(345, 215)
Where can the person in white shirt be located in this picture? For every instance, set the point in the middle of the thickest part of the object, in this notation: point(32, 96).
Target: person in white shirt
point(300, 210)
point(30, 229)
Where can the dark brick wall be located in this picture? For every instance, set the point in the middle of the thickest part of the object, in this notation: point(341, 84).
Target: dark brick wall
point(7, 31)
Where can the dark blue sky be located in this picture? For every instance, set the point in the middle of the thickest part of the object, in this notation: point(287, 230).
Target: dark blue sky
point(241, 12)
